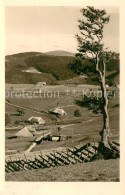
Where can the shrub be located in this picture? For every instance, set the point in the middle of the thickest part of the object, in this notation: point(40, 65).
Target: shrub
point(20, 111)
point(17, 122)
point(77, 113)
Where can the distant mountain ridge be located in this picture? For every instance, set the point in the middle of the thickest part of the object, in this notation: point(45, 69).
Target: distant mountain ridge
point(59, 53)
point(23, 68)
point(52, 68)
point(53, 53)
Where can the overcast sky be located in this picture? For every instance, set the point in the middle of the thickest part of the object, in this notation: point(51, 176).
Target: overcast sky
point(45, 29)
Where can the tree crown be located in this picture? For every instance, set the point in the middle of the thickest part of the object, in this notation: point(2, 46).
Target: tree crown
point(90, 43)
point(91, 32)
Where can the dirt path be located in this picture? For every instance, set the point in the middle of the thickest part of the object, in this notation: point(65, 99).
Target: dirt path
point(66, 106)
point(33, 110)
point(25, 108)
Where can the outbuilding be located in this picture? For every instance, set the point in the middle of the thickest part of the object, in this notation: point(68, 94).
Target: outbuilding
point(58, 111)
point(37, 120)
point(41, 84)
point(24, 133)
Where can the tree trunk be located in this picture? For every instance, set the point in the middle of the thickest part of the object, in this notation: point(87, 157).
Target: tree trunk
point(105, 133)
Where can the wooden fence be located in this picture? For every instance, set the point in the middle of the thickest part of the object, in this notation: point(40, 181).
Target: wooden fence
point(59, 157)
point(55, 158)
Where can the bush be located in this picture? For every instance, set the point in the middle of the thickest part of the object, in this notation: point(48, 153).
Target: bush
point(56, 76)
point(17, 122)
point(20, 112)
point(77, 113)
point(92, 103)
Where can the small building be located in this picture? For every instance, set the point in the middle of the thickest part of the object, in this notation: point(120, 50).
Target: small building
point(58, 111)
point(37, 120)
point(41, 84)
point(24, 133)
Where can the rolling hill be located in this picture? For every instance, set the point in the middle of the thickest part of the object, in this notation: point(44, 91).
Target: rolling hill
point(59, 53)
point(50, 67)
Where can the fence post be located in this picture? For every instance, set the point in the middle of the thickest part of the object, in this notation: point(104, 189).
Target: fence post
point(21, 163)
point(26, 163)
point(72, 144)
point(66, 144)
point(73, 151)
point(87, 150)
point(94, 141)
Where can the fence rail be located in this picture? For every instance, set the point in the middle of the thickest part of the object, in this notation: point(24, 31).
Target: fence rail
point(59, 157)
point(50, 159)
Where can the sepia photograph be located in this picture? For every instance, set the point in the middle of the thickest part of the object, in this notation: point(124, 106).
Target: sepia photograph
point(62, 83)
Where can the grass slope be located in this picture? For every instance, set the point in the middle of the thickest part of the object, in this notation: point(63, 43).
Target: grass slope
point(89, 128)
point(100, 170)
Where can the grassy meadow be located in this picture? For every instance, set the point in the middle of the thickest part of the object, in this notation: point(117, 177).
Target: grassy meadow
point(85, 128)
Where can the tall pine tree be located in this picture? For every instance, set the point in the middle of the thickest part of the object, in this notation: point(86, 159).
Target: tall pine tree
point(91, 47)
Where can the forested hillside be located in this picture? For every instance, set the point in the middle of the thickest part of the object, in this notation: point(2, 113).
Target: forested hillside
point(51, 68)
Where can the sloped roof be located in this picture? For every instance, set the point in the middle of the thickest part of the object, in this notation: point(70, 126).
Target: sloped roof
point(40, 83)
point(31, 129)
point(59, 111)
point(24, 133)
point(39, 119)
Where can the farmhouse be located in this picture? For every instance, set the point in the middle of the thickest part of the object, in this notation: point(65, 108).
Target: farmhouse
point(38, 120)
point(59, 111)
point(24, 133)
